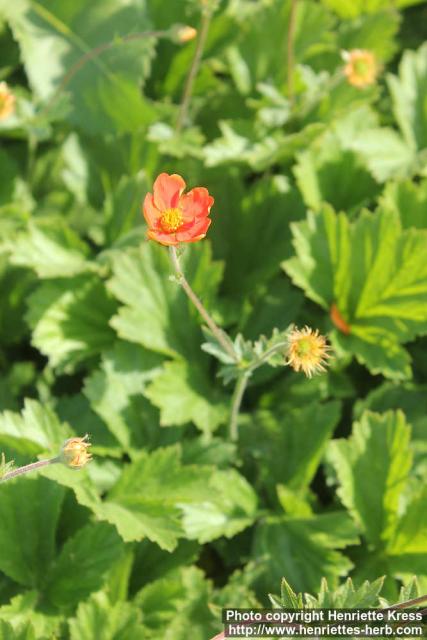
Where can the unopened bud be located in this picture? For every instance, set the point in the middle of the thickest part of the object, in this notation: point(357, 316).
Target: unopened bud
point(75, 453)
point(186, 33)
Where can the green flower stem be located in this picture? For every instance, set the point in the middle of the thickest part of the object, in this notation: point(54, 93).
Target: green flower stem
point(239, 391)
point(188, 88)
point(94, 53)
point(290, 51)
point(222, 338)
point(240, 388)
point(20, 471)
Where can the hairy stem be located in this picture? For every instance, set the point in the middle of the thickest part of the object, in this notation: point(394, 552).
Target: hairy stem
point(239, 391)
point(290, 51)
point(222, 338)
point(188, 88)
point(20, 471)
point(242, 383)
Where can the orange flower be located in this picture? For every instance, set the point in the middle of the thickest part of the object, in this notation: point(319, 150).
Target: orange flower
point(307, 351)
point(174, 217)
point(361, 67)
point(7, 101)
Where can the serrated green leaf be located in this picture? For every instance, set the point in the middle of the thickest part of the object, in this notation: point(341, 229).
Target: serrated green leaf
point(115, 389)
point(89, 554)
point(35, 430)
point(98, 617)
point(52, 250)
point(176, 603)
point(21, 632)
point(153, 496)
point(29, 507)
point(70, 320)
point(184, 394)
point(304, 550)
point(156, 312)
point(22, 610)
point(408, 92)
point(409, 201)
point(105, 92)
point(372, 468)
point(407, 550)
point(230, 508)
point(375, 273)
point(298, 435)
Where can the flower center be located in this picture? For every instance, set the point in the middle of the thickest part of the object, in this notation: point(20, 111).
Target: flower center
point(362, 67)
point(171, 220)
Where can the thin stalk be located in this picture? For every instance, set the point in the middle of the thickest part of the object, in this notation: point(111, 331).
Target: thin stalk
point(290, 51)
point(188, 88)
point(239, 391)
point(240, 388)
point(222, 338)
point(408, 603)
point(20, 471)
point(94, 53)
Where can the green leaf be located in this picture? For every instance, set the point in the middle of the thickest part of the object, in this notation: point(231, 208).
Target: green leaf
point(89, 554)
point(124, 206)
point(176, 603)
point(51, 248)
point(29, 509)
point(354, 8)
point(230, 508)
point(385, 153)
point(115, 389)
point(372, 468)
point(35, 430)
point(346, 596)
point(409, 201)
point(407, 550)
point(105, 91)
point(375, 273)
point(22, 611)
point(156, 311)
point(21, 632)
point(152, 498)
point(300, 433)
point(184, 394)
point(70, 320)
point(408, 91)
point(304, 549)
point(99, 618)
point(327, 173)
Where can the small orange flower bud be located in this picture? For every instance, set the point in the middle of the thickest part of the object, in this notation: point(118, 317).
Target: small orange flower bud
point(186, 33)
point(361, 67)
point(307, 351)
point(75, 452)
point(7, 101)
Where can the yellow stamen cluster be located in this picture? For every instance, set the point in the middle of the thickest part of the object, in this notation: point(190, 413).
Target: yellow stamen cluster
point(307, 351)
point(7, 101)
point(75, 452)
point(171, 220)
point(361, 67)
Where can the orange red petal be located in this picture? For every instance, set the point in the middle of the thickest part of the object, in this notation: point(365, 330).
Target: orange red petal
point(196, 203)
point(167, 191)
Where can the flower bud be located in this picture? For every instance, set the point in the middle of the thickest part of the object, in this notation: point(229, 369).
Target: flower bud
point(186, 33)
point(361, 67)
point(75, 453)
point(7, 101)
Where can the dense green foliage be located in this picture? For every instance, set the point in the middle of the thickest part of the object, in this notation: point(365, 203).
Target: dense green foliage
point(320, 204)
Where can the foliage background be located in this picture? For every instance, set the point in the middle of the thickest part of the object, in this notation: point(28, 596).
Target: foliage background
point(320, 200)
